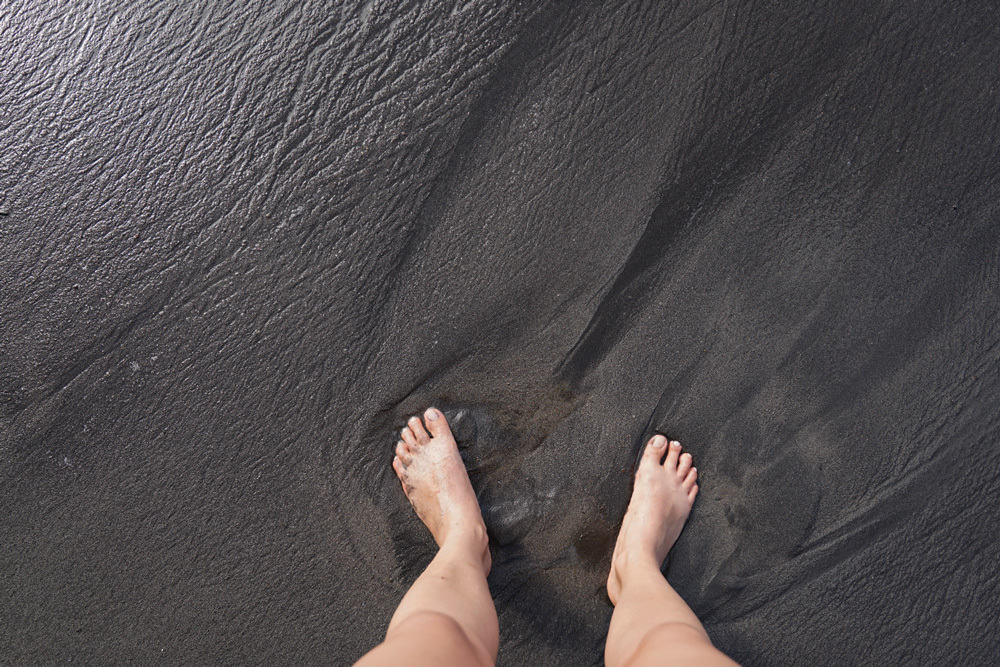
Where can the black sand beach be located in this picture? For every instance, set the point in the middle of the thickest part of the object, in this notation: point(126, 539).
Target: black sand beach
point(240, 242)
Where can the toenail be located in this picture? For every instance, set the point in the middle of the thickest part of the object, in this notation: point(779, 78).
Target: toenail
point(658, 441)
point(675, 444)
point(431, 414)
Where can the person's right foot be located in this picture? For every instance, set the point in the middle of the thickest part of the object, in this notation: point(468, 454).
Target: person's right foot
point(661, 502)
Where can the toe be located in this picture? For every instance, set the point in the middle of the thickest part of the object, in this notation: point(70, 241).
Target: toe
point(692, 493)
point(684, 465)
point(436, 423)
point(690, 479)
point(672, 455)
point(403, 452)
point(418, 429)
point(398, 466)
point(407, 435)
point(654, 449)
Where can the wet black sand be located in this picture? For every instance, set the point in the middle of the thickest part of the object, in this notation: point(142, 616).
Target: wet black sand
point(239, 244)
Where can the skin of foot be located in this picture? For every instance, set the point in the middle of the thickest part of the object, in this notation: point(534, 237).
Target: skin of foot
point(664, 491)
point(437, 484)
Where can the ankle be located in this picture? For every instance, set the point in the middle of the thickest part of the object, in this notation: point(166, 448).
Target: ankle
point(636, 566)
point(470, 540)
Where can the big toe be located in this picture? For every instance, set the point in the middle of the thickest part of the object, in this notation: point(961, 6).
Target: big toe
point(436, 423)
point(654, 451)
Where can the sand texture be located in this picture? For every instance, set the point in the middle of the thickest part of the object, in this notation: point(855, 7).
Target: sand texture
point(241, 241)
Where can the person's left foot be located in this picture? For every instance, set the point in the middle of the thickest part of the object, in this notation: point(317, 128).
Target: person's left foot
point(436, 483)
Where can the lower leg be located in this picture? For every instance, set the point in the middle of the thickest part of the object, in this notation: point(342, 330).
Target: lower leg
point(454, 585)
point(651, 623)
point(447, 616)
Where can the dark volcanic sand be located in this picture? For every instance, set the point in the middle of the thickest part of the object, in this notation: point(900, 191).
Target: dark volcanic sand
point(238, 245)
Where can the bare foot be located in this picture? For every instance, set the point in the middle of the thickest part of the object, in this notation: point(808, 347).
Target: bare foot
point(436, 483)
point(661, 501)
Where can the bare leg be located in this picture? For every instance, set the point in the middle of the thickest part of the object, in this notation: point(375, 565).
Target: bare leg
point(651, 624)
point(447, 617)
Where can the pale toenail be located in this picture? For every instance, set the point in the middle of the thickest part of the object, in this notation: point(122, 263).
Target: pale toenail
point(431, 414)
point(675, 444)
point(658, 441)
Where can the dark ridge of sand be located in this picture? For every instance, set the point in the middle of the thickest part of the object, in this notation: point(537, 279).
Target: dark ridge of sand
point(240, 243)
